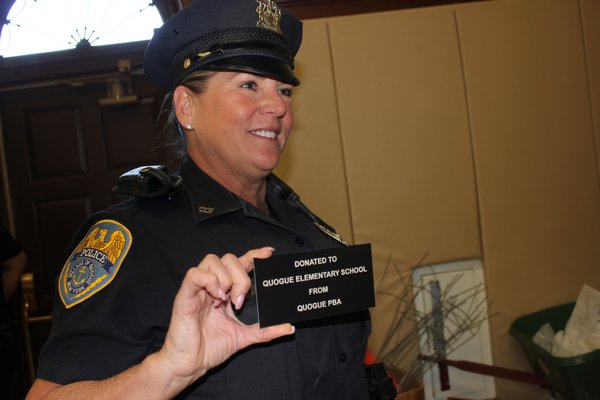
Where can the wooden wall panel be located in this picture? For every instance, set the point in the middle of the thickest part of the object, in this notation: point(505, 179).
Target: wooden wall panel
point(467, 131)
point(313, 161)
point(406, 139)
point(63, 155)
point(528, 96)
point(590, 14)
point(130, 135)
point(44, 129)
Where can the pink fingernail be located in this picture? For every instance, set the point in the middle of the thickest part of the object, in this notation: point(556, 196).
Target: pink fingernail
point(239, 302)
point(222, 294)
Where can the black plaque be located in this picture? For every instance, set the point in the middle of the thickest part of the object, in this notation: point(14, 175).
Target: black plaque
point(310, 285)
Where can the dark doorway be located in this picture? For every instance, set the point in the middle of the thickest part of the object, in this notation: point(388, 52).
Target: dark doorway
point(64, 151)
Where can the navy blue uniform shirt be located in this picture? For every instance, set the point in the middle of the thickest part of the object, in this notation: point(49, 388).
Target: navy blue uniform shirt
point(117, 320)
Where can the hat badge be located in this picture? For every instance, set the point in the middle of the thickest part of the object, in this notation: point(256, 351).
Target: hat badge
point(269, 15)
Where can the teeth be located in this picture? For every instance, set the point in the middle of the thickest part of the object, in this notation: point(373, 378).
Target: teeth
point(265, 134)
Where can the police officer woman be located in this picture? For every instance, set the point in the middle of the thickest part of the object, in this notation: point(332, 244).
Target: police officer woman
point(131, 318)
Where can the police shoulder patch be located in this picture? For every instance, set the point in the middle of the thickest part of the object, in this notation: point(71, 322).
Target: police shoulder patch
point(94, 263)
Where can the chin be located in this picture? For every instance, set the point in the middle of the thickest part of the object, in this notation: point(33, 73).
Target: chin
point(269, 164)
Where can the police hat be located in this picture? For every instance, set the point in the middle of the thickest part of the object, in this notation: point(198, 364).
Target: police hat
point(255, 36)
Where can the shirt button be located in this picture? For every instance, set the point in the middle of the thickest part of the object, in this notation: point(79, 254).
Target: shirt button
point(342, 357)
point(299, 242)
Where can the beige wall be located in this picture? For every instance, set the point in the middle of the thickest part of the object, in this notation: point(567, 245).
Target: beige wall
point(466, 131)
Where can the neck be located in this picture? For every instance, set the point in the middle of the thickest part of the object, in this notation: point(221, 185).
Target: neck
point(250, 189)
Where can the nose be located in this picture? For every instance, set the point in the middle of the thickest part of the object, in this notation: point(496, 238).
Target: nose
point(274, 103)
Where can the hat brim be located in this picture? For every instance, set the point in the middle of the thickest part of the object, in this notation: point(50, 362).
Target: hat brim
point(257, 65)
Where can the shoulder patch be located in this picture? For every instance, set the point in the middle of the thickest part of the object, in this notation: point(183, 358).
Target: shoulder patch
point(94, 263)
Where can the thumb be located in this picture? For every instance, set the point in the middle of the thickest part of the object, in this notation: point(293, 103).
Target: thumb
point(262, 335)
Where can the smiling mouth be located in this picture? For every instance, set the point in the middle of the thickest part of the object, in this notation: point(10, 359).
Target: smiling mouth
point(265, 134)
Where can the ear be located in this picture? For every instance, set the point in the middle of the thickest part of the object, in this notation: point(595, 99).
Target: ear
point(182, 101)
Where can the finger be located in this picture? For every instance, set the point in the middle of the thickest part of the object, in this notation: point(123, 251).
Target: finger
point(214, 264)
point(240, 280)
point(195, 282)
point(262, 335)
point(247, 263)
point(247, 259)
point(277, 331)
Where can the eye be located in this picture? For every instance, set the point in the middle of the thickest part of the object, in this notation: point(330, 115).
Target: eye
point(250, 84)
point(286, 91)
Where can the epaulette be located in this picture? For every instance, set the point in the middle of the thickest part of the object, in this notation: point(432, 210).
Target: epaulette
point(287, 194)
point(147, 182)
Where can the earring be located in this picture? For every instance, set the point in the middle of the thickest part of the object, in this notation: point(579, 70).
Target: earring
point(188, 126)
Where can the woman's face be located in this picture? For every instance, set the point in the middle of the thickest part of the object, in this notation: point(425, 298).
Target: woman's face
point(241, 123)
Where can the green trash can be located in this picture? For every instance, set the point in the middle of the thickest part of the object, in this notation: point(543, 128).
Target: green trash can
point(575, 378)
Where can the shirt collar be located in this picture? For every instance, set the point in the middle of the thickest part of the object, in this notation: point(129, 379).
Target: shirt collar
point(209, 199)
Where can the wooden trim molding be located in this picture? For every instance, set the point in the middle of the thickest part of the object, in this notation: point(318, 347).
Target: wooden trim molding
point(20, 71)
point(35, 69)
point(308, 9)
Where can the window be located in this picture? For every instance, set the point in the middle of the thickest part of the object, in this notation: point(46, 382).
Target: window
point(40, 26)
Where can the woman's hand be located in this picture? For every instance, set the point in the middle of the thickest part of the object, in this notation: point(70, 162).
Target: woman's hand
point(204, 332)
